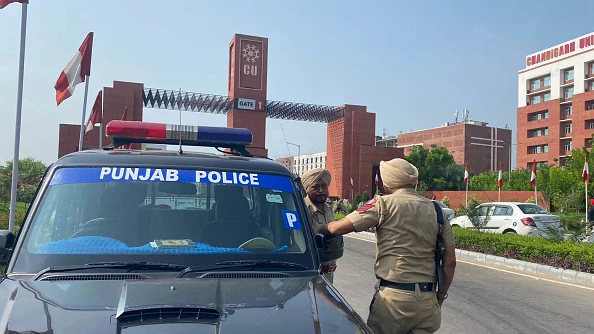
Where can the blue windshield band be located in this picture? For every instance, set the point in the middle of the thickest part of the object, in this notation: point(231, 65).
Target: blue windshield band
point(117, 174)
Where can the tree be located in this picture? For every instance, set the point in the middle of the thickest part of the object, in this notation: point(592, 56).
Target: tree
point(30, 174)
point(365, 198)
point(355, 204)
point(437, 168)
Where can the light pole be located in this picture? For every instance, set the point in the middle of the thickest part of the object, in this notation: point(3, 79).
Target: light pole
point(298, 155)
point(510, 160)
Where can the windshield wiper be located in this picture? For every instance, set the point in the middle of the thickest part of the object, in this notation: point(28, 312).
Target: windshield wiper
point(136, 265)
point(242, 263)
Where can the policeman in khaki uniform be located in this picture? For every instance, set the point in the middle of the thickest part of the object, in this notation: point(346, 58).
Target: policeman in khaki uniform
point(406, 231)
point(316, 183)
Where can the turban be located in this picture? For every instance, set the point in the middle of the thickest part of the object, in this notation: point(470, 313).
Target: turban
point(314, 176)
point(397, 173)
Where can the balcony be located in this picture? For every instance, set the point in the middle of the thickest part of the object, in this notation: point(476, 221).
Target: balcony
point(531, 92)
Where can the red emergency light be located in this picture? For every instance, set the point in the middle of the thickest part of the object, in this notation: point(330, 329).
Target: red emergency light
point(125, 132)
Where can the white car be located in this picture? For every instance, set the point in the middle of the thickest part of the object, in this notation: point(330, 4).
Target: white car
point(513, 217)
point(449, 212)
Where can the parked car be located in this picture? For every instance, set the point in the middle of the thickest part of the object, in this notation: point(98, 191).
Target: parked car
point(513, 217)
point(450, 212)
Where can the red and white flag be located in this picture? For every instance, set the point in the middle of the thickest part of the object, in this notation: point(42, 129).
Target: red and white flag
point(500, 179)
point(376, 178)
point(586, 171)
point(96, 113)
point(466, 173)
point(352, 183)
point(76, 70)
point(533, 175)
point(4, 3)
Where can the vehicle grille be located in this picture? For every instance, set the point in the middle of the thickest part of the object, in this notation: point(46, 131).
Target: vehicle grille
point(169, 314)
point(245, 275)
point(92, 277)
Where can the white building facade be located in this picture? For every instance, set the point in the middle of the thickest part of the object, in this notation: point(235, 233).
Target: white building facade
point(303, 163)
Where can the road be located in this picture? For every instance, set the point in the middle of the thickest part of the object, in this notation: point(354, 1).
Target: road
point(483, 298)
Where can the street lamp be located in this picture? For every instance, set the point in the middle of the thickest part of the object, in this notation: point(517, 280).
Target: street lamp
point(298, 153)
point(510, 160)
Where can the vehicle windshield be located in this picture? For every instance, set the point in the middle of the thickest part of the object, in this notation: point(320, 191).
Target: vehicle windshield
point(187, 217)
point(533, 209)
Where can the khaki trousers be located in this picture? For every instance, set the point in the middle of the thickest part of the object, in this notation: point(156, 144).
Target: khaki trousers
point(404, 312)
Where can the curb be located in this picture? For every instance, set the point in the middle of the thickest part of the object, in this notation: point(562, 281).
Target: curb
point(563, 274)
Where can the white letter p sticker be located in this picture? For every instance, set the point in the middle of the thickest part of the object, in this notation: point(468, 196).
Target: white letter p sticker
point(291, 219)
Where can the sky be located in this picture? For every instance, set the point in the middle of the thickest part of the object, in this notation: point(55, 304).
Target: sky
point(411, 63)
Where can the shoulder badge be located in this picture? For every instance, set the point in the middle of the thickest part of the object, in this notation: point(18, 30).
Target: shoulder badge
point(367, 205)
point(315, 216)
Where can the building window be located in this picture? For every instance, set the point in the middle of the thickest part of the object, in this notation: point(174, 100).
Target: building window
point(547, 97)
point(568, 92)
point(546, 131)
point(569, 74)
point(568, 146)
point(568, 110)
point(547, 81)
point(590, 124)
point(536, 99)
point(589, 105)
point(545, 148)
point(536, 84)
point(591, 68)
point(568, 128)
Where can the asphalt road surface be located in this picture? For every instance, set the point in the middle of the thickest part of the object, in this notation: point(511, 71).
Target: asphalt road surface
point(483, 298)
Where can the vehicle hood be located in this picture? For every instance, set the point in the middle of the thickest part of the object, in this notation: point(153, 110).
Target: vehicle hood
point(197, 305)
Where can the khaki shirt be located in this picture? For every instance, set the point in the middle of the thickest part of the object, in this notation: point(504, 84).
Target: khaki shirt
point(406, 233)
point(318, 217)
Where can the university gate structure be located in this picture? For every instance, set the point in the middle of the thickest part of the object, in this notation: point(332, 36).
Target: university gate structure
point(351, 150)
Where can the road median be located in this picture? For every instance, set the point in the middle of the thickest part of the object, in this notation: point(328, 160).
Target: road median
point(559, 273)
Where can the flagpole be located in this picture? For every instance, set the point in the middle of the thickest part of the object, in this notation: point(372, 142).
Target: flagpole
point(586, 183)
point(535, 194)
point(82, 123)
point(499, 199)
point(101, 124)
point(467, 193)
point(17, 128)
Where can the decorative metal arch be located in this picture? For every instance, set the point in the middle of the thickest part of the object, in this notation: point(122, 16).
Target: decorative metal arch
point(218, 104)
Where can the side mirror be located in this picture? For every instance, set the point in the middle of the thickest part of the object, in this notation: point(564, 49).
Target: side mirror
point(6, 244)
point(330, 248)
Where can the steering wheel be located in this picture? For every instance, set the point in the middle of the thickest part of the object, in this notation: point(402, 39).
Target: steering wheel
point(258, 243)
point(97, 228)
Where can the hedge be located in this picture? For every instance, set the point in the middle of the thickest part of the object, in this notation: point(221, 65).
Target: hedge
point(563, 254)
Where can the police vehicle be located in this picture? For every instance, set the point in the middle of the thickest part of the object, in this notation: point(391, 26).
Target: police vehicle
point(137, 241)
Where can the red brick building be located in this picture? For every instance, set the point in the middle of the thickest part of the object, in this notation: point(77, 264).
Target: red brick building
point(556, 102)
point(351, 150)
point(484, 147)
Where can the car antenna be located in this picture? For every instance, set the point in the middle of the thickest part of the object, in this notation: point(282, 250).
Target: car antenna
point(180, 151)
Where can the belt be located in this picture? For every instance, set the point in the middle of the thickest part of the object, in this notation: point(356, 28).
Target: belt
point(329, 268)
point(407, 286)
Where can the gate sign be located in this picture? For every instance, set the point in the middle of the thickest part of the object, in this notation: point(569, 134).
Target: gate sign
point(246, 104)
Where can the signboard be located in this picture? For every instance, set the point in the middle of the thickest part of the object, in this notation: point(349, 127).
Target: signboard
point(246, 104)
point(250, 104)
point(561, 51)
point(251, 64)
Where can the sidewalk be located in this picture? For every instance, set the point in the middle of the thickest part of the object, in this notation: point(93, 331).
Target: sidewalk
point(564, 274)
